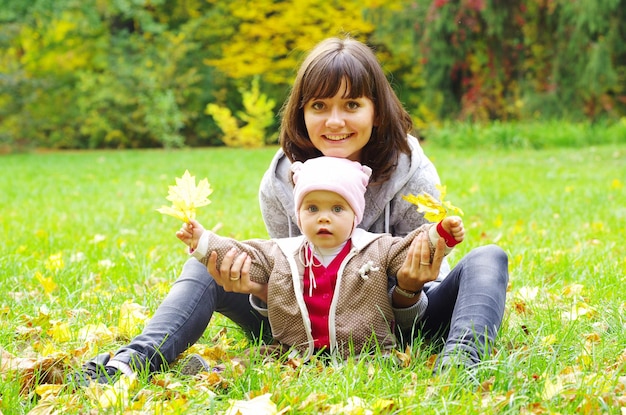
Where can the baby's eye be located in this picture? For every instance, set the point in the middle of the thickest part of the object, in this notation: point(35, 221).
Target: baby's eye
point(312, 208)
point(337, 209)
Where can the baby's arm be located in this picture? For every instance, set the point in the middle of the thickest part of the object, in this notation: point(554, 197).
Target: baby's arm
point(451, 229)
point(190, 234)
point(454, 226)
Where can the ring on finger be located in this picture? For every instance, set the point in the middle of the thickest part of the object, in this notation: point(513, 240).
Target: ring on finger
point(233, 279)
point(426, 264)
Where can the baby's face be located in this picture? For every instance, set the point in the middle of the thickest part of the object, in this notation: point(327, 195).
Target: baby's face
point(326, 218)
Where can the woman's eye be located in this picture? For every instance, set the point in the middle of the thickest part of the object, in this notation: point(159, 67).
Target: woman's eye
point(353, 105)
point(317, 105)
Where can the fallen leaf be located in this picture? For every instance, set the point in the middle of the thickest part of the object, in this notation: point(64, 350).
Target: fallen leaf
point(132, 318)
point(261, 405)
point(96, 333)
point(551, 389)
point(60, 331)
point(354, 406)
point(47, 283)
point(107, 396)
point(32, 371)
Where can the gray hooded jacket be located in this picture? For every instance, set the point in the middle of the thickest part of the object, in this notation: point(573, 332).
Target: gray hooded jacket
point(385, 210)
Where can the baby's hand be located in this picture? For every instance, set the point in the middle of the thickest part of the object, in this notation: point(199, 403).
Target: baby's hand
point(454, 226)
point(190, 233)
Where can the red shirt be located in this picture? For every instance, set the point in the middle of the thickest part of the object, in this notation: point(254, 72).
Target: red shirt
point(318, 304)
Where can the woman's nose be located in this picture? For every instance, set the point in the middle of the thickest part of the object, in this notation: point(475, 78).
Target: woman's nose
point(335, 118)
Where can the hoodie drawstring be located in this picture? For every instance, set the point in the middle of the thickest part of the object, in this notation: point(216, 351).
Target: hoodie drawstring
point(308, 262)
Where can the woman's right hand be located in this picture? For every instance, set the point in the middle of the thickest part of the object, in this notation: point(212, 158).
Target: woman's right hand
point(234, 274)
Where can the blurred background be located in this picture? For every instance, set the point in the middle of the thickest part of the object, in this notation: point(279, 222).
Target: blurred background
point(80, 74)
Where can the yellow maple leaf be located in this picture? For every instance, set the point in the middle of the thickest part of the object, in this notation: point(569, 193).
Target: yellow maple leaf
point(55, 262)
point(433, 209)
point(60, 331)
point(186, 197)
point(112, 396)
point(132, 318)
point(551, 389)
point(577, 310)
point(47, 283)
point(260, 405)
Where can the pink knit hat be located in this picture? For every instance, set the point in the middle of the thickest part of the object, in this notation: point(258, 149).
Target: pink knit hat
point(345, 177)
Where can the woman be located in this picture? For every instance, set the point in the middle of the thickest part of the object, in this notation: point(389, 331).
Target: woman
point(341, 105)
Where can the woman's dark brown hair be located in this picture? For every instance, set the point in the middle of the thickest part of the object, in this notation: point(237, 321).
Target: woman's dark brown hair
point(330, 63)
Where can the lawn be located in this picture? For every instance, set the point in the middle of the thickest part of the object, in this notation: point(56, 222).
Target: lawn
point(86, 259)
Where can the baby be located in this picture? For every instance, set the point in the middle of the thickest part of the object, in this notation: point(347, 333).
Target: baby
point(328, 288)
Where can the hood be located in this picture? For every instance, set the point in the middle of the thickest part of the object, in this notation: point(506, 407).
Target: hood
point(377, 197)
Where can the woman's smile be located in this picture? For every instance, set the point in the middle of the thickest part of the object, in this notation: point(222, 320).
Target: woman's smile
point(336, 137)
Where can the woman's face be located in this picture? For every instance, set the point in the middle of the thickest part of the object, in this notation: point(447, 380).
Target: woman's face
point(340, 127)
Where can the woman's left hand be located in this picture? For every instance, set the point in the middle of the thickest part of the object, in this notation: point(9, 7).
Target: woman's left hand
point(234, 274)
point(417, 269)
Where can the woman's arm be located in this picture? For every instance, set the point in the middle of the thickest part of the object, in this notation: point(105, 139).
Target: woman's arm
point(276, 219)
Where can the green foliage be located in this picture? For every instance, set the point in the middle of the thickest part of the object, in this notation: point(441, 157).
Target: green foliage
point(535, 135)
point(483, 60)
point(139, 73)
point(81, 79)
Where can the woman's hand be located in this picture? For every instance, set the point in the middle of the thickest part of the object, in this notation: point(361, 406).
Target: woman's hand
point(234, 274)
point(417, 269)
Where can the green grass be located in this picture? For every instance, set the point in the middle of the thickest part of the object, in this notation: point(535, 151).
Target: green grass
point(558, 212)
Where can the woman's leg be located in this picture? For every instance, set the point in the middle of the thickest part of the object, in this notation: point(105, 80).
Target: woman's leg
point(182, 317)
point(467, 307)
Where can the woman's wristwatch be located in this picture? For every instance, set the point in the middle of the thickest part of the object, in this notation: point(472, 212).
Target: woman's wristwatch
point(405, 293)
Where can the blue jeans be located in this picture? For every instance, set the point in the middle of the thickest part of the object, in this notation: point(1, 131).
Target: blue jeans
point(465, 309)
point(180, 320)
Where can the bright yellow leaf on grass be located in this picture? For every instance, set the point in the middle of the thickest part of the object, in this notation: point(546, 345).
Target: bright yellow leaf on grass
point(46, 390)
point(578, 310)
point(55, 262)
point(433, 209)
point(551, 389)
point(186, 197)
point(132, 318)
point(528, 293)
point(549, 340)
point(261, 405)
point(354, 406)
point(383, 406)
point(48, 284)
point(573, 290)
point(96, 333)
point(111, 396)
point(60, 331)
